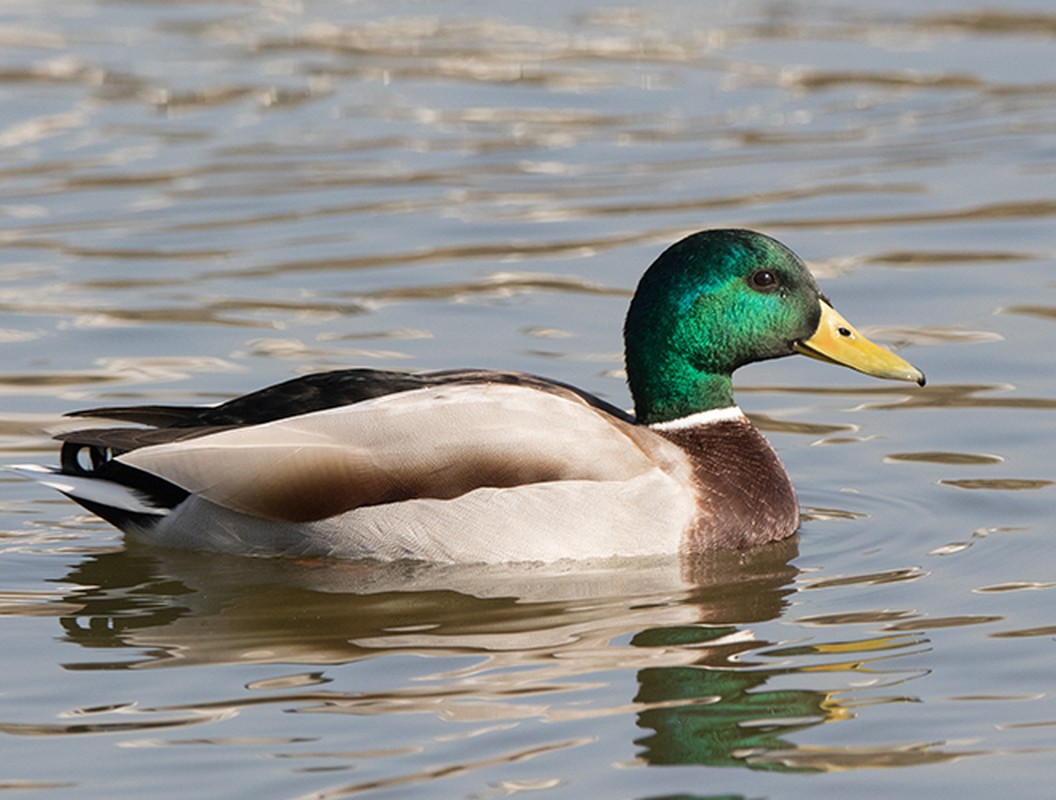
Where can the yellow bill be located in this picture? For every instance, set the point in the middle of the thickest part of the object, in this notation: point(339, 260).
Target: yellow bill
point(837, 342)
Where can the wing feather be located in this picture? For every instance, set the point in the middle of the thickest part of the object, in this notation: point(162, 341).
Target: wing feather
point(437, 442)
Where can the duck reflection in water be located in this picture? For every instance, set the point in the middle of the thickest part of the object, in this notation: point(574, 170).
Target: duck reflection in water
point(684, 630)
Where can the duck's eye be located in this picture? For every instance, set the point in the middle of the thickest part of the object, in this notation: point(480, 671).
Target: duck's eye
point(763, 280)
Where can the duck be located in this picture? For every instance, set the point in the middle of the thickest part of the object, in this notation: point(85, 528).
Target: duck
point(488, 466)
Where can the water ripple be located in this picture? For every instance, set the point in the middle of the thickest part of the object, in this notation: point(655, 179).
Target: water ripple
point(247, 190)
point(124, 726)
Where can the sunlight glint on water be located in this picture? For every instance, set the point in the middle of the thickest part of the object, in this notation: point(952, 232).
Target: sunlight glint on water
point(197, 200)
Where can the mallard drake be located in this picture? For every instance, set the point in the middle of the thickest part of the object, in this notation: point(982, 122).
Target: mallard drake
point(487, 466)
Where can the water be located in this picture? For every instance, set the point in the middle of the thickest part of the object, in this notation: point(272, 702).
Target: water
point(197, 200)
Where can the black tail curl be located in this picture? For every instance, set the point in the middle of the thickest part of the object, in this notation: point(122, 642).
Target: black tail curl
point(97, 461)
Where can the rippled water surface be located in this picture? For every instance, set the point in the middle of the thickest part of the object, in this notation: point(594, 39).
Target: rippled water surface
point(199, 199)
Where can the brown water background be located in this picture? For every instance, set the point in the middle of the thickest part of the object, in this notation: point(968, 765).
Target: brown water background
point(199, 199)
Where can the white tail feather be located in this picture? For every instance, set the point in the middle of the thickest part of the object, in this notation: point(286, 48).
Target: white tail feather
point(95, 490)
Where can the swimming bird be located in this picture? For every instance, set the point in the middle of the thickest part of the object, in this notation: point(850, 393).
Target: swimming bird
point(490, 466)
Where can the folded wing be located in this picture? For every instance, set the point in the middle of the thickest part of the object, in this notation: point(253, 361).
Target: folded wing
point(438, 442)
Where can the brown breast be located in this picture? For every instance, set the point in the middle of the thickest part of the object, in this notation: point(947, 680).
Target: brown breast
point(744, 494)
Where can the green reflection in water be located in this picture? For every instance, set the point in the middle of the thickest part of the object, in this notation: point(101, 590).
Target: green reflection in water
point(705, 681)
point(725, 714)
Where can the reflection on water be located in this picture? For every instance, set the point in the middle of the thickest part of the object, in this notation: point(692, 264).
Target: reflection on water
point(704, 693)
point(199, 199)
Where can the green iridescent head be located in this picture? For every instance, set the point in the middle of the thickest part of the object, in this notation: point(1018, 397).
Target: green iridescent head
point(718, 300)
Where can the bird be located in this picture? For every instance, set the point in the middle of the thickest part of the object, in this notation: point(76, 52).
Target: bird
point(488, 466)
